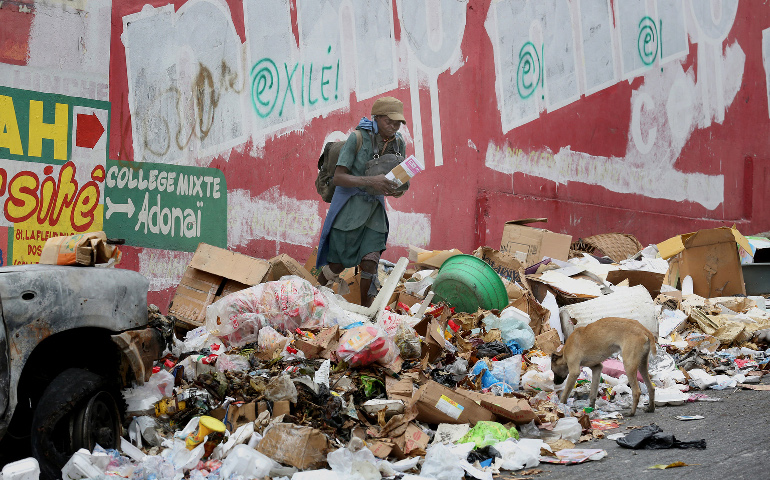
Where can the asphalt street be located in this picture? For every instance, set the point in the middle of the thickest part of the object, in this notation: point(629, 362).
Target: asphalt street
point(736, 430)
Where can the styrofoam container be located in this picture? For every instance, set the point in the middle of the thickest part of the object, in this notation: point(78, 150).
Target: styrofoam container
point(26, 469)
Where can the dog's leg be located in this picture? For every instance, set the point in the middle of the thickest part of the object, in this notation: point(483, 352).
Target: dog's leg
point(633, 382)
point(596, 370)
point(569, 384)
point(644, 370)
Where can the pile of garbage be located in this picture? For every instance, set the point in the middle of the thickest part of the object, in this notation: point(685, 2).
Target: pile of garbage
point(288, 379)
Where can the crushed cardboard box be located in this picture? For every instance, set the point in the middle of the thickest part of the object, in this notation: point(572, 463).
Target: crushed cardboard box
point(710, 258)
point(212, 274)
point(505, 264)
point(529, 244)
point(436, 403)
point(298, 446)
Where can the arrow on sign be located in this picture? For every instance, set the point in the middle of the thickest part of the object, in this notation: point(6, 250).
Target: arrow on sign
point(89, 130)
point(119, 208)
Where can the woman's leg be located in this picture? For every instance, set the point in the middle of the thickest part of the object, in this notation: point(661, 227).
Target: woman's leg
point(336, 269)
point(369, 283)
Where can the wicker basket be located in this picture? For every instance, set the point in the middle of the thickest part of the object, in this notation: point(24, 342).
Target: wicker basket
point(617, 246)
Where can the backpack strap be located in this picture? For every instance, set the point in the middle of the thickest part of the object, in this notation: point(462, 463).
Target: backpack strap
point(359, 139)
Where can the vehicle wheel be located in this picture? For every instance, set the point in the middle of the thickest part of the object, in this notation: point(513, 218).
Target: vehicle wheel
point(75, 411)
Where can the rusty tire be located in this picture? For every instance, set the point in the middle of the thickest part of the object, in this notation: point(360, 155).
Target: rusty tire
point(67, 404)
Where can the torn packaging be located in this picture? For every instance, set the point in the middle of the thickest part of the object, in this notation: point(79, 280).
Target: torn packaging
point(323, 345)
point(514, 409)
point(300, 447)
point(436, 404)
point(505, 264)
point(710, 257)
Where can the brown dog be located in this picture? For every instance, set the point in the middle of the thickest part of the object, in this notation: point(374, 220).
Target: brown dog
point(589, 346)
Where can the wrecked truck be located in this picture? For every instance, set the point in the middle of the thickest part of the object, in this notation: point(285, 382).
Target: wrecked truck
point(71, 339)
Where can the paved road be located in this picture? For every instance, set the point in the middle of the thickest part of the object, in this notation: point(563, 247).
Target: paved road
point(737, 433)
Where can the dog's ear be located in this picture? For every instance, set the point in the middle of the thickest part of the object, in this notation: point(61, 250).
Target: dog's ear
point(558, 353)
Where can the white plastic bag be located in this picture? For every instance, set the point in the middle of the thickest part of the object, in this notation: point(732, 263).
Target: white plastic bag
point(567, 428)
point(534, 380)
point(441, 464)
point(522, 454)
point(508, 370)
point(246, 462)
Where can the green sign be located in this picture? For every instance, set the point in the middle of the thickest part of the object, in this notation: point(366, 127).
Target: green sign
point(44, 127)
point(164, 206)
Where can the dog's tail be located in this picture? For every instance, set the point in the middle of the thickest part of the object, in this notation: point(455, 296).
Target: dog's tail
point(653, 343)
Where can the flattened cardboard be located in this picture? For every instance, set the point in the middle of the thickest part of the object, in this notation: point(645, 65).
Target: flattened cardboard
point(436, 258)
point(436, 404)
point(515, 409)
point(381, 449)
point(213, 273)
point(710, 257)
point(505, 264)
point(548, 341)
point(652, 281)
point(412, 441)
point(283, 265)
point(301, 447)
point(225, 263)
point(536, 243)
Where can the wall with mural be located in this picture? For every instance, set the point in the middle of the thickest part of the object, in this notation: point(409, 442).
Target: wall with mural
point(169, 123)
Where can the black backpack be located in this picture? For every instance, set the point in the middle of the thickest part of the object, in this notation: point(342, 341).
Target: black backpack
point(327, 162)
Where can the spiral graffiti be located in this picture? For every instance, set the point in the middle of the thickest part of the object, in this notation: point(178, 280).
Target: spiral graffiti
point(647, 43)
point(529, 71)
point(265, 84)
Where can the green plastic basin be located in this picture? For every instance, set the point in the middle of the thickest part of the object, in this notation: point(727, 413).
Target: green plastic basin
point(467, 283)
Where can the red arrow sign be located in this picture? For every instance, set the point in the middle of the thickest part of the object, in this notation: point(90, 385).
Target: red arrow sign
point(89, 130)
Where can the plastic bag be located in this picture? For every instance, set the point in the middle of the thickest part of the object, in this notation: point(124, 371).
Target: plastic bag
point(567, 428)
point(408, 342)
point(522, 454)
point(284, 305)
point(159, 386)
point(269, 340)
point(281, 388)
point(354, 464)
point(365, 345)
point(246, 462)
point(508, 370)
point(441, 464)
point(236, 363)
point(486, 433)
point(514, 326)
point(534, 380)
point(488, 380)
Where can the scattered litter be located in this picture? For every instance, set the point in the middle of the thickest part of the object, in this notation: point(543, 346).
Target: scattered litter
point(287, 379)
point(670, 465)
